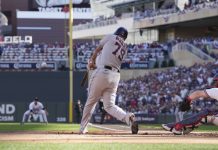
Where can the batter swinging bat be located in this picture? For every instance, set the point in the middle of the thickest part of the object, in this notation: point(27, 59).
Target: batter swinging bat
point(85, 78)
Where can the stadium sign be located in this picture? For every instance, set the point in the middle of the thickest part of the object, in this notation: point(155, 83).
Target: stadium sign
point(50, 3)
point(81, 65)
point(50, 9)
point(26, 65)
point(138, 65)
point(140, 118)
point(61, 119)
point(7, 112)
point(16, 39)
point(134, 65)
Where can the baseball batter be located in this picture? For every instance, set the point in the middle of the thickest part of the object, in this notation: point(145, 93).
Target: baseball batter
point(105, 78)
point(206, 116)
point(35, 107)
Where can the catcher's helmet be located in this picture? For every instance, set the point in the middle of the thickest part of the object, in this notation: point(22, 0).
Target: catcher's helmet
point(122, 32)
point(215, 81)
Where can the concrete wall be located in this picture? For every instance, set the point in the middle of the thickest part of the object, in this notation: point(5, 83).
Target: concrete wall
point(18, 89)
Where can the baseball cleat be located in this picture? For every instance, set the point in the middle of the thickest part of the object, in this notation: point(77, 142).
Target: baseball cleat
point(177, 132)
point(168, 127)
point(83, 131)
point(133, 124)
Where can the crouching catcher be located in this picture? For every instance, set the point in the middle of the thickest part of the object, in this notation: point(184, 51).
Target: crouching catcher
point(205, 116)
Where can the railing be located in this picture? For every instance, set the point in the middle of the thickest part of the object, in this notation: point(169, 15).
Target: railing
point(95, 24)
point(196, 51)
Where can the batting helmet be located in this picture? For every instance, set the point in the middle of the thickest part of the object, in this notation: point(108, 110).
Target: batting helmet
point(215, 81)
point(122, 32)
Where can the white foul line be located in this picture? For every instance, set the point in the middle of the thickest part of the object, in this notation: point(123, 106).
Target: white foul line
point(105, 128)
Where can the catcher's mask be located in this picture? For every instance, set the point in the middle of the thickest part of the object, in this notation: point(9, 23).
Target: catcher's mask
point(215, 81)
point(122, 32)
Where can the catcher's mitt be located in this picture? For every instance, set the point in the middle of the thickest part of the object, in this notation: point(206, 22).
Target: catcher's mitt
point(185, 105)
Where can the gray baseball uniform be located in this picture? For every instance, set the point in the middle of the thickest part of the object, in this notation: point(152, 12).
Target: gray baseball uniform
point(105, 79)
point(35, 108)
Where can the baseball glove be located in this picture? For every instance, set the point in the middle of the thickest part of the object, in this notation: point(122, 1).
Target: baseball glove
point(185, 105)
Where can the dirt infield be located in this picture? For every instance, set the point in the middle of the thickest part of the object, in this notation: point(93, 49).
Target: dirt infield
point(115, 135)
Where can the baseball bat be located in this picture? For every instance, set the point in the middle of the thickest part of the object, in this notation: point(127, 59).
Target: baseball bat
point(85, 78)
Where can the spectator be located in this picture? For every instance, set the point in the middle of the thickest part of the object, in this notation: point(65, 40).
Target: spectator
point(176, 100)
point(78, 110)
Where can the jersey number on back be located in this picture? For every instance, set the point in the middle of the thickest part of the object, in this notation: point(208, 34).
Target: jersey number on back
point(121, 52)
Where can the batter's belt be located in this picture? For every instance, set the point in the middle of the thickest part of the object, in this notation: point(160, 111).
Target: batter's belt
point(112, 68)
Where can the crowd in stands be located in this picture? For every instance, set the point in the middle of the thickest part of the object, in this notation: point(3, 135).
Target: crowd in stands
point(172, 9)
point(136, 52)
point(150, 51)
point(153, 93)
point(24, 52)
point(208, 45)
point(56, 52)
point(31, 56)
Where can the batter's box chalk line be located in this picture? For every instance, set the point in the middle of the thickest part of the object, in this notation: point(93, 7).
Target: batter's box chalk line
point(106, 128)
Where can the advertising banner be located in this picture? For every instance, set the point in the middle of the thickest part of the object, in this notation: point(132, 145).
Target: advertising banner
point(135, 65)
point(26, 65)
point(81, 65)
point(140, 118)
point(7, 112)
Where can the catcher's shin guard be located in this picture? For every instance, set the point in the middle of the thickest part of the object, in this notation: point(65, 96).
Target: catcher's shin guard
point(194, 121)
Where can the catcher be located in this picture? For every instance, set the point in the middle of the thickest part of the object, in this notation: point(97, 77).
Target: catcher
point(205, 116)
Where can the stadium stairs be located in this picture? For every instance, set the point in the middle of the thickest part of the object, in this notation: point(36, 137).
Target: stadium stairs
point(186, 54)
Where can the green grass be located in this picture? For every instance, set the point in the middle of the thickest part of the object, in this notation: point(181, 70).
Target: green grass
point(203, 128)
point(207, 128)
point(105, 146)
point(13, 145)
point(10, 127)
point(38, 127)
